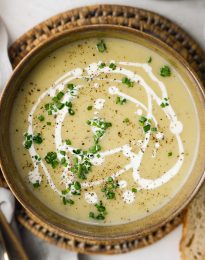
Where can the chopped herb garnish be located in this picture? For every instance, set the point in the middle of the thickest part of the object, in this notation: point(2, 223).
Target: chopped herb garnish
point(68, 104)
point(101, 46)
point(89, 107)
point(109, 188)
point(37, 139)
point(28, 141)
point(70, 86)
point(74, 188)
point(92, 215)
point(94, 149)
point(150, 59)
point(102, 65)
point(120, 100)
point(99, 123)
point(68, 141)
point(134, 190)
point(67, 201)
point(66, 191)
point(37, 157)
point(63, 162)
point(102, 125)
point(102, 212)
point(63, 153)
point(60, 95)
point(146, 128)
point(100, 207)
point(60, 105)
point(112, 66)
point(51, 158)
point(36, 184)
point(48, 123)
point(164, 103)
point(154, 129)
point(165, 71)
point(71, 111)
point(146, 124)
point(50, 108)
point(128, 82)
point(82, 168)
point(41, 118)
point(142, 120)
point(170, 154)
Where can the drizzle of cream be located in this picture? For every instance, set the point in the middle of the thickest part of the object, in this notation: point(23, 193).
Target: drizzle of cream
point(139, 112)
point(135, 158)
point(91, 197)
point(122, 184)
point(159, 136)
point(128, 197)
point(99, 103)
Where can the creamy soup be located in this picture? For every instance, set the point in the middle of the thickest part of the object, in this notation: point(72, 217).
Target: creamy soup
point(104, 131)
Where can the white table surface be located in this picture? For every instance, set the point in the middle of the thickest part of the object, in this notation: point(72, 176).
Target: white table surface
point(21, 15)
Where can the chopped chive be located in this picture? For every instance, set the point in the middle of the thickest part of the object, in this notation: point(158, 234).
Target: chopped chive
point(100, 217)
point(51, 158)
point(41, 118)
point(120, 100)
point(36, 185)
point(60, 95)
point(28, 144)
point(48, 123)
point(102, 65)
point(92, 215)
point(63, 162)
point(68, 141)
point(68, 104)
point(63, 153)
point(66, 191)
point(100, 207)
point(70, 86)
point(96, 148)
point(71, 111)
point(89, 107)
point(142, 120)
point(101, 46)
point(67, 201)
point(77, 185)
point(110, 179)
point(37, 139)
point(165, 71)
point(60, 105)
point(146, 128)
point(154, 129)
point(134, 190)
point(127, 82)
point(170, 154)
point(150, 59)
point(112, 66)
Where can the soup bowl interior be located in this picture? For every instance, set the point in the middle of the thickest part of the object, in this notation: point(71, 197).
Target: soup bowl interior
point(92, 231)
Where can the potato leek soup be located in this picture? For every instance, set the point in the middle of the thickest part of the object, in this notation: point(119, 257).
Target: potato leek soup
point(104, 131)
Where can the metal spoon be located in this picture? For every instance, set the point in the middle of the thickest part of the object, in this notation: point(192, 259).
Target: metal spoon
point(11, 241)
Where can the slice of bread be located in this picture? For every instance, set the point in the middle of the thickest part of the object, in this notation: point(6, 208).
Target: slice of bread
point(192, 244)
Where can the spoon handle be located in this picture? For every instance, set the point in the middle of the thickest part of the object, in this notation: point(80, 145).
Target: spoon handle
point(11, 241)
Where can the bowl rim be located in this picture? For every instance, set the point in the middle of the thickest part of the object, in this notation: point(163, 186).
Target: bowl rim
point(35, 52)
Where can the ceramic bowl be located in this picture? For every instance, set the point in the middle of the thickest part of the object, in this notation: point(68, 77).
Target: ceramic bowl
point(89, 232)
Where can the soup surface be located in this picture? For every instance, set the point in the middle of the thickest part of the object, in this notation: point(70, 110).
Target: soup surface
point(104, 131)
